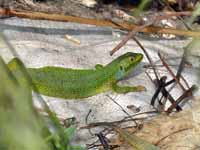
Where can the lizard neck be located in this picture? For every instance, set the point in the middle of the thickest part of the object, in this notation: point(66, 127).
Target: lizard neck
point(111, 71)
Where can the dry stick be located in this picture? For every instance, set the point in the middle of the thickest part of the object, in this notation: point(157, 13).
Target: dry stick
point(172, 58)
point(185, 81)
point(180, 69)
point(178, 74)
point(87, 116)
point(86, 121)
point(94, 143)
point(103, 141)
point(165, 93)
point(148, 57)
point(129, 36)
point(100, 145)
point(171, 99)
point(142, 113)
point(170, 71)
point(160, 85)
point(149, 77)
point(139, 28)
point(159, 82)
point(119, 25)
point(125, 119)
point(154, 85)
point(177, 14)
point(179, 17)
point(123, 109)
point(163, 138)
point(187, 93)
point(96, 124)
point(176, 78)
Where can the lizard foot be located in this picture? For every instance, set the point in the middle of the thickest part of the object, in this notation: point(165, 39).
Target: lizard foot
point(140, 88)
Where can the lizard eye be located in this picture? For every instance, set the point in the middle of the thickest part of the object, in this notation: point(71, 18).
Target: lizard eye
point(131, 58)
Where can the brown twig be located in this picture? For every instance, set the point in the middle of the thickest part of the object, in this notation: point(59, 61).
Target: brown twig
point(87, 116)
point(161, 84)
point(147, 55)
point(129, 36)
point(103, 140)
point(86, 121)
point(163, 138)
point(96, 124)
point(171, 72)
point(180, 69)
point(128, 115)
point(185, 81)
point(119, 25)
point(92, 146)
point(125, 119)
point(150, 78)
point(186, 94)
point(173, 11)
point(140, 28)
point(177, 14)
point(167, 95)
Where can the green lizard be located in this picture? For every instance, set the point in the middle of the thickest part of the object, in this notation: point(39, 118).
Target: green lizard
point(81, 83)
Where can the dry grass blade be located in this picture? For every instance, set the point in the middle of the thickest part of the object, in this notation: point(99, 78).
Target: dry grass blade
point(135, 142)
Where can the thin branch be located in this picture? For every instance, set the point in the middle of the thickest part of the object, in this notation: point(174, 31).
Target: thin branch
point(125, 119)
point(129, 36)
point(147, 55)
point(96, 124)
point(171, 72)
point(119, 25)
point(180, 69)
point(157, 17)
point(123, 109)
point(163, 138)
point(186, 94)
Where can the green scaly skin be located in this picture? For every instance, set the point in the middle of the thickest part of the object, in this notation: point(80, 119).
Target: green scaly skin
point(76, 83)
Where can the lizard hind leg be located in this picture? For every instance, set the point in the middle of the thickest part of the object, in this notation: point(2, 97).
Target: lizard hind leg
point(98, 67)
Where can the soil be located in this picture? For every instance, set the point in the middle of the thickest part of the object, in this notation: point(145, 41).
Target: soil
point(67, 7)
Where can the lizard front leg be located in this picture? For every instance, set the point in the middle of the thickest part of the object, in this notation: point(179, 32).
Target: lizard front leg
point(125, 89)
point(99, 66)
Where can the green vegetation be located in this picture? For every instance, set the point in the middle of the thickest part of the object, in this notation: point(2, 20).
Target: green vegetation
point(21, 126)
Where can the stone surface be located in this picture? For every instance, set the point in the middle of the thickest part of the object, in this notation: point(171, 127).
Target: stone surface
point(41, 43)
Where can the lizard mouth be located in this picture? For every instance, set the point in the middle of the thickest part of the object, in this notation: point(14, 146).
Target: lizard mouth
point(139, 58)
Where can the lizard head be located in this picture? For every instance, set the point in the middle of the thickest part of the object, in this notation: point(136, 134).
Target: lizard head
point(126, 63)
